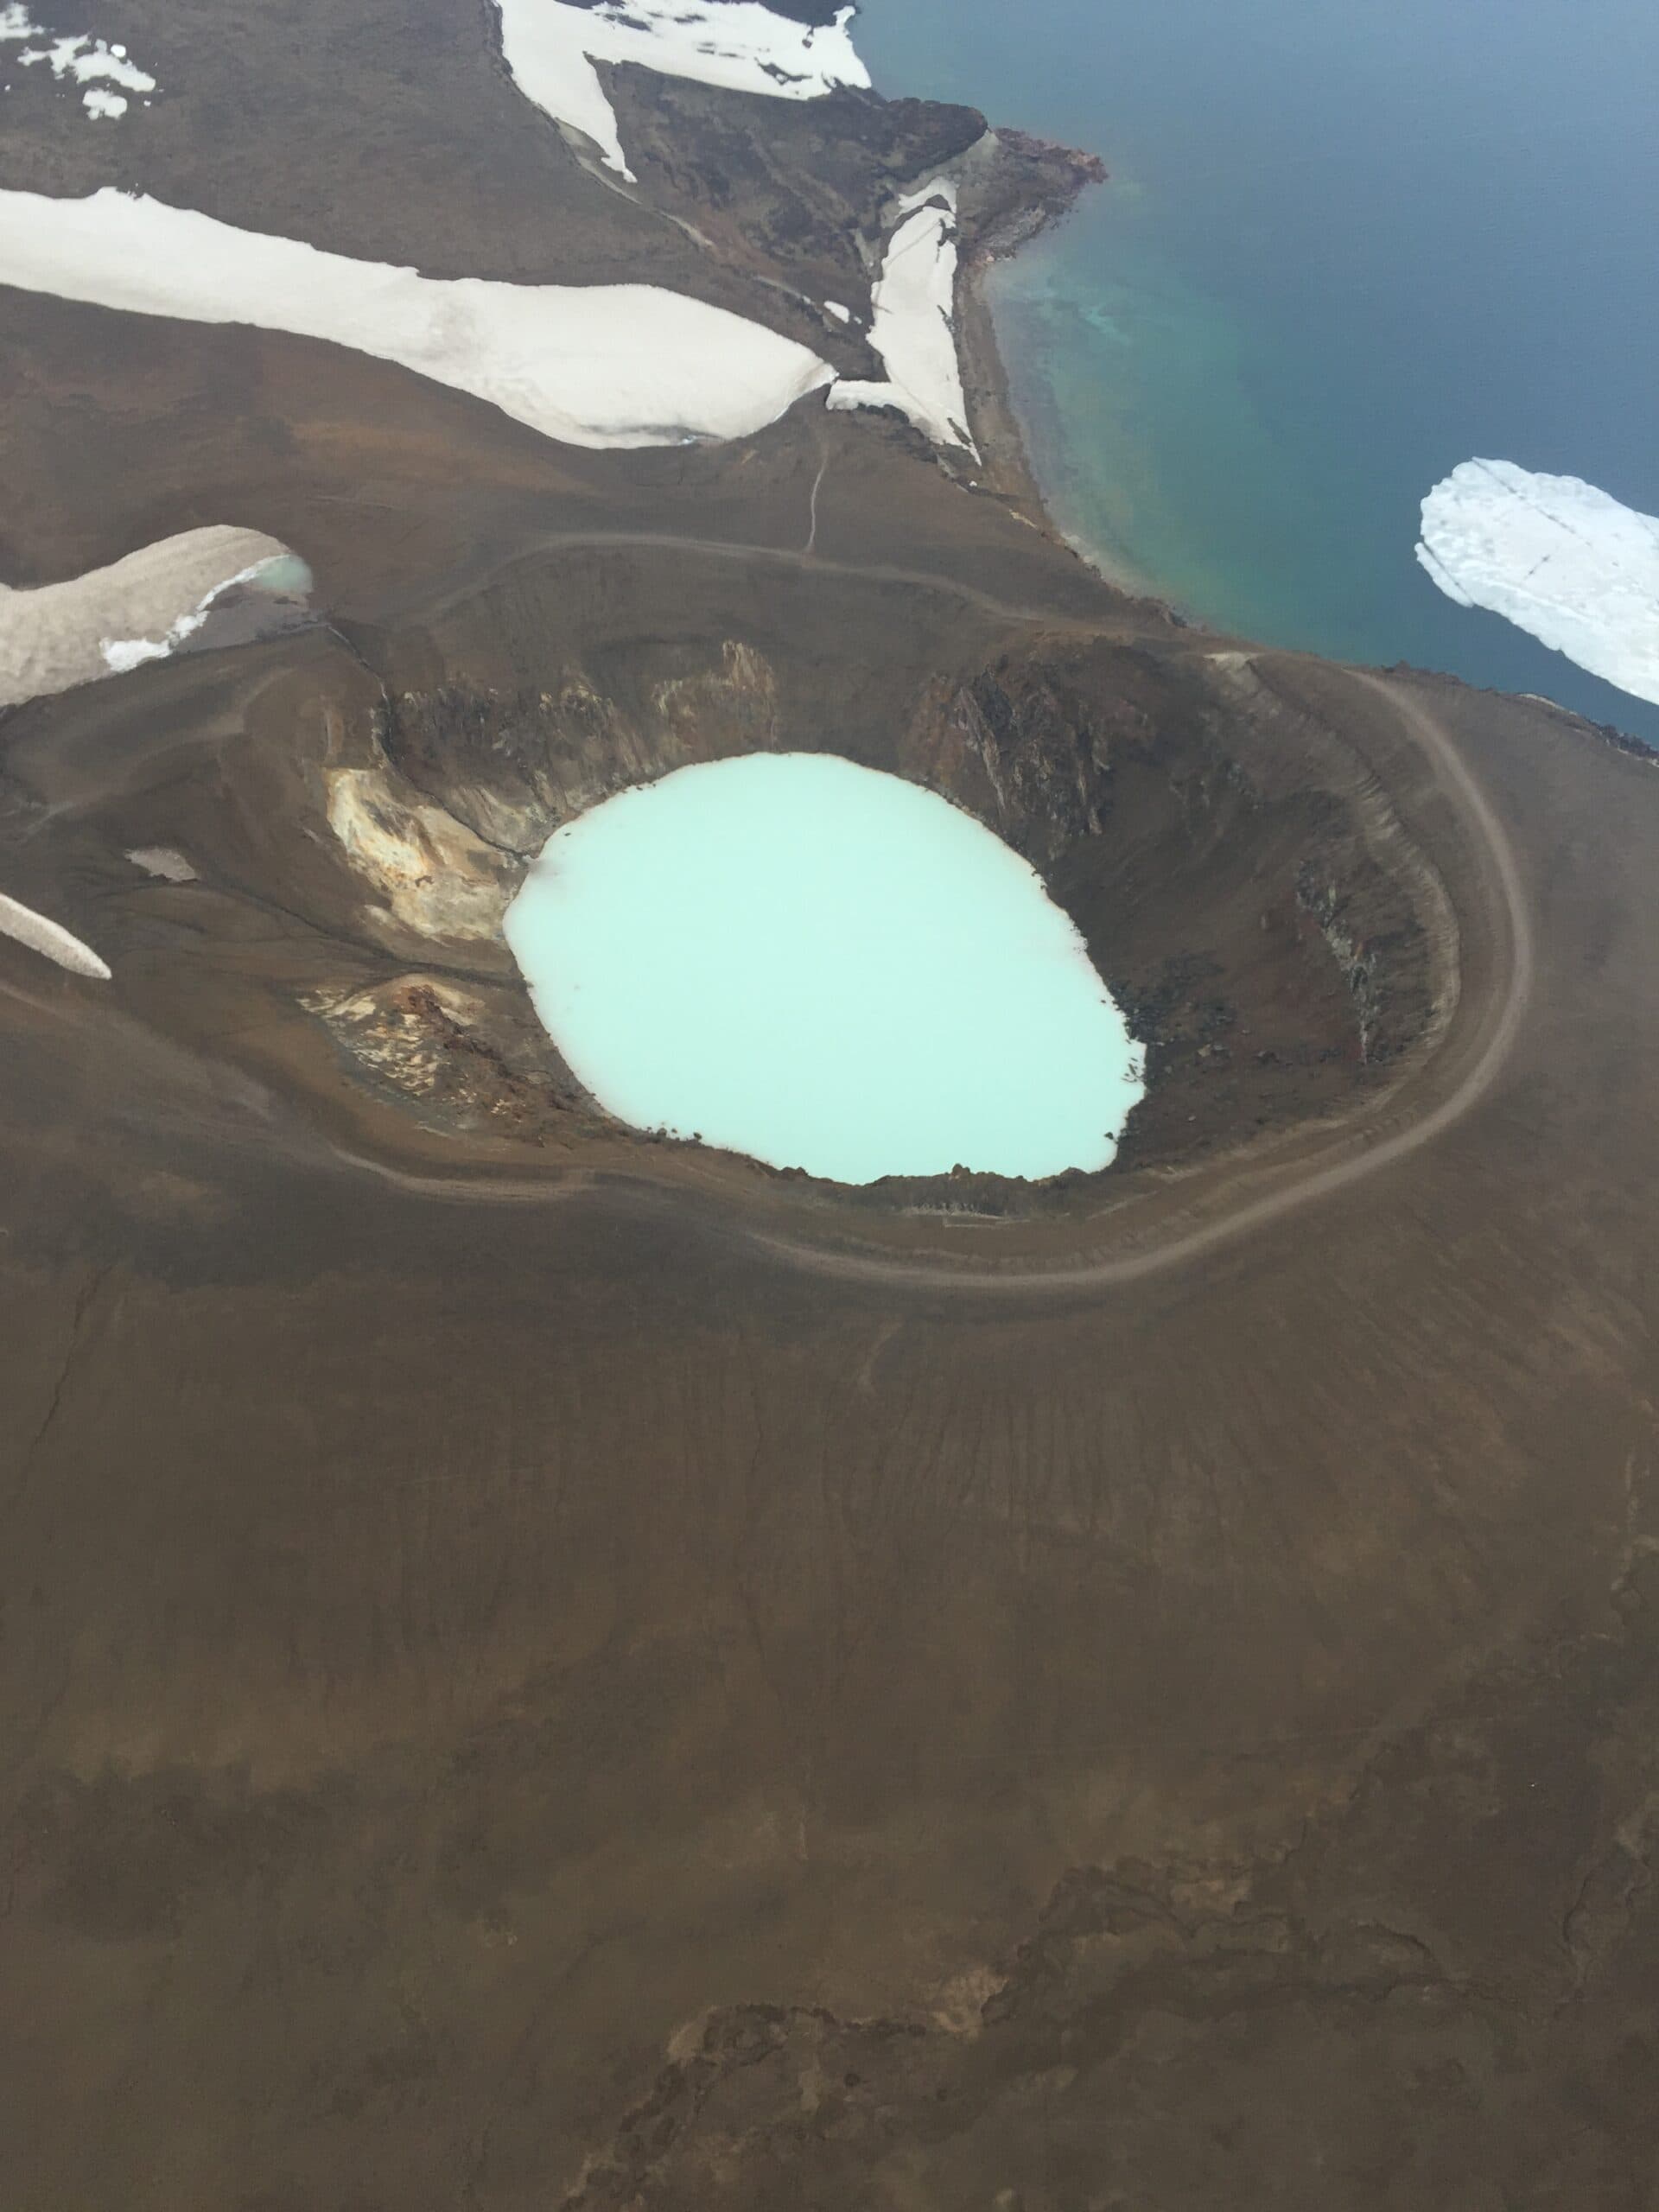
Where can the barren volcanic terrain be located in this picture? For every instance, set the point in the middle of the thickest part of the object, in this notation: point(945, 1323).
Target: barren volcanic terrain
point(546, 1666)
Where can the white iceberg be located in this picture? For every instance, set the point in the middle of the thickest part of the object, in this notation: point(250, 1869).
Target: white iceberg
point(913, 323)
point(91, 61)
point(114, 619)
point(551, 47)
point(596, 364)
point(1561, 560)
point(27, 927)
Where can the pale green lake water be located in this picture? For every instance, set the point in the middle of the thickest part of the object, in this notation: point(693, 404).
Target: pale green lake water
point(287, 575)
point(825, 967)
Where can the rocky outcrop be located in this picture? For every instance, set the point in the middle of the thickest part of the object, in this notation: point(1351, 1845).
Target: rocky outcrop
point(1121, 1963)
point(1017, 184)
point(1362, 961)
point(466, 1056)
point(464, 785)
point(1413, 2019)
point(430, 876)
point(513, 765)
point(1032, 759)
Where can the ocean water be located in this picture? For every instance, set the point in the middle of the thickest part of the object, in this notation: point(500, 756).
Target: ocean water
point(825, 967)
point(1344, 248)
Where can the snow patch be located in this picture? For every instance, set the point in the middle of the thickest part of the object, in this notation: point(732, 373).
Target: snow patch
point(137, 609)
point(24, 925)
point(165, 863)
point(597, 364)
point(913, 322)
point(551, 47)
point(91, 61)
point(121, 654)
point(1560, 559)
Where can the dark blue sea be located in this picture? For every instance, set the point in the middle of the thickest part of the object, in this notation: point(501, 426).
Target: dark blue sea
point(1344, 247)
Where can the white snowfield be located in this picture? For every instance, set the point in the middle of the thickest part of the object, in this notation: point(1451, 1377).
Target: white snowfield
point(551, 47)
point(1559, 558)
point(597, 364)
point(914, 324)
point(40, 934)
point(112, 619)
point(89, 60)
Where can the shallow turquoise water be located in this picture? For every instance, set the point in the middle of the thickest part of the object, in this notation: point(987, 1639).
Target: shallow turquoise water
point(825, 967)
point(1342, 250)
point(287, 575)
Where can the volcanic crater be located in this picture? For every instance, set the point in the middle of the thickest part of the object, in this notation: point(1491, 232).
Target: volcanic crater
point(1282, 944)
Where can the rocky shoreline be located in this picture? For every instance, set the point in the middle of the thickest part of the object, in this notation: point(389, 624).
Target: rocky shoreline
point(1051, 180)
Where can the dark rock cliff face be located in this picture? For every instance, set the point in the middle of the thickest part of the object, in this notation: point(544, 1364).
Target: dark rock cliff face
point(1034, 762)
point(809, 190)
point(1364, 955)
point(1018, 184)
point(791, 188)
point(513, 765)
point(1241, 917)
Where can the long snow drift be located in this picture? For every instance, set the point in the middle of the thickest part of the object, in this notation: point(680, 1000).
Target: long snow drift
point(1559, 558)
point(598, 365)
point(113, 618)
point(34, 930)
point(91, 61)
point(913, 323)
point(551, 47)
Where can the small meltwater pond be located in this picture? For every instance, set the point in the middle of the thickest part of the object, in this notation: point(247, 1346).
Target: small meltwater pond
point(826, 968)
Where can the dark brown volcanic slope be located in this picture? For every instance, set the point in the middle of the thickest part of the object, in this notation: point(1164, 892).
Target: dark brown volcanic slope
point(546, 1670)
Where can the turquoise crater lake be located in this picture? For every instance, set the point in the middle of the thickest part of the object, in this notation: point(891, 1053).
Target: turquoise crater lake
point(826, 968)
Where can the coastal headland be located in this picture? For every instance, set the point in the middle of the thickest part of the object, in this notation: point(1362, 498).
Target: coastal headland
point(546, 1666)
